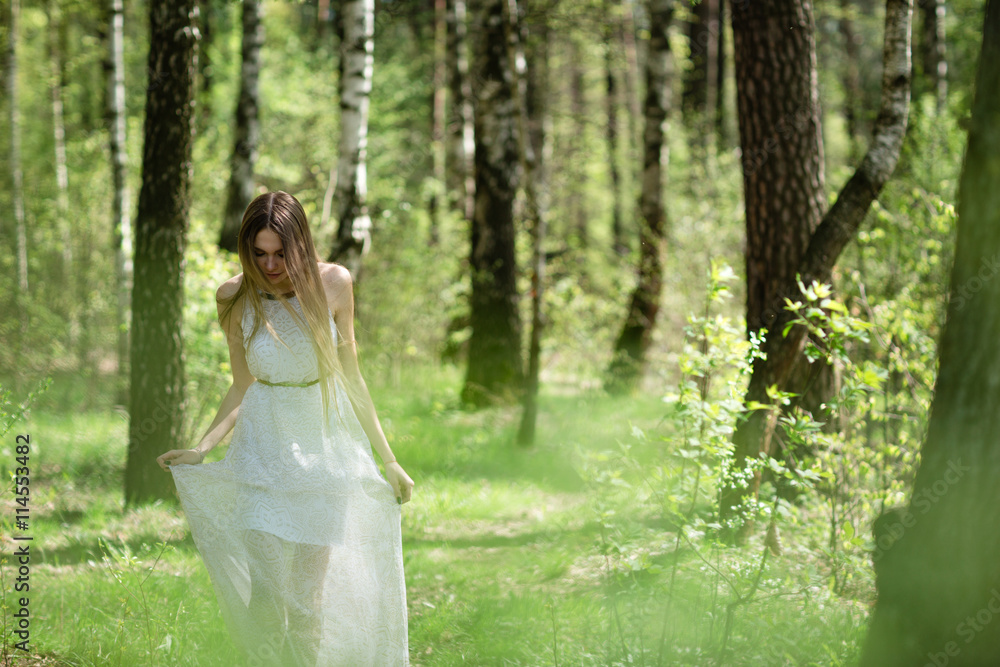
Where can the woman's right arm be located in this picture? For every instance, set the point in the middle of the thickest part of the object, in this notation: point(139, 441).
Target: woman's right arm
point(225, 419)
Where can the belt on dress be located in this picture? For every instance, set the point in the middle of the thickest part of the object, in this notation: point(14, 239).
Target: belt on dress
point(288, 384)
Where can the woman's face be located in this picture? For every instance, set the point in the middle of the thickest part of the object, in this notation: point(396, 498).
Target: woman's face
point(270, 257)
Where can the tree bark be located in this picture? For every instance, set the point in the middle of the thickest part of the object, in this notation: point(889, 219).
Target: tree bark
point(438, 149)
point(698, 93)
point(619, 243)
point(495, 372)
point(246, 132)
point(851, 77)
point(531, 104)
point(157, 365)
point(636, 335)
point(937, 561)
point(120, 204)
point(840, 224)
point(357, 62)
point(933, 51)
point(462, 143)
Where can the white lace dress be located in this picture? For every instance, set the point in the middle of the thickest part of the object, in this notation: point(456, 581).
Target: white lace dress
point(298, 529)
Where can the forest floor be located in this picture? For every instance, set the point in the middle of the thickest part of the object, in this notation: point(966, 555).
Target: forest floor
point(512, 555)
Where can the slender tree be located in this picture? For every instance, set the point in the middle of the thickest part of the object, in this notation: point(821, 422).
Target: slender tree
point(698, 94)
point(246, 131)
point(438, 148)
point(636, 335)
point(120, 204)
point(495, 371)
point(461, 132)
point(531, 103)
point(157, 366)
point(16, 172)
point(619, 244)
point(356, 64)
point(839, 225)
point(933, 50)
point(937, 561)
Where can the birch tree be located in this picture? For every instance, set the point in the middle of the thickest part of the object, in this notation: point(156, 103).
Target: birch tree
point(120, 203)
point(246, 133)
point(357, 62)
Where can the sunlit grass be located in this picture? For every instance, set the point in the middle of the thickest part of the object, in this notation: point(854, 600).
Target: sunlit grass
point(506, 559)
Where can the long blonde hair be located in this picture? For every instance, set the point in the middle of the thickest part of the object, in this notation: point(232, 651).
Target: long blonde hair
point(282, 213)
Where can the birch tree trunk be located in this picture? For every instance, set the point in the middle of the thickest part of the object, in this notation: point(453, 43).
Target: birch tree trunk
point(120, 203)
point(157, 365)
point(462, 142)
point(937, 561)
point(246, 133)
point(357, 61)
point(636, 335)
point(495, 372)
point(840, 224)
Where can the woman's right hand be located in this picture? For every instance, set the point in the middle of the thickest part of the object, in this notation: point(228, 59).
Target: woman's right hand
point(175, 456)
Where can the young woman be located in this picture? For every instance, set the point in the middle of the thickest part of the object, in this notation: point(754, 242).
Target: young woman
point(298, 530)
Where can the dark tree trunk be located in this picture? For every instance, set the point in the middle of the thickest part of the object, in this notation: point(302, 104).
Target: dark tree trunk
point(246, 132)
point(838, 227)
point(495, 371)
point(157, 366)
point(634, 340)
point(698, 95)
point(575, 154)
point(721, 126)
point(937, 562)
point(461, 140)
point(438, 149)
point(933, 51)
point(851, 77)
point(531, 100)
point(619, 243)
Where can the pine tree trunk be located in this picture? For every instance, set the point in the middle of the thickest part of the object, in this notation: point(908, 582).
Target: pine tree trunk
point(575, 157)
point(495, 372)
point(838, 227)
point(462, 143)
point(721, 128)
point(246, 132)
point(357, 61)
point(157, 366)
point(634, 340)
point(937, 561)
point(120, 204)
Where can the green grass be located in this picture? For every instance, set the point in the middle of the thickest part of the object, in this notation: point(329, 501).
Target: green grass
point(506, 557)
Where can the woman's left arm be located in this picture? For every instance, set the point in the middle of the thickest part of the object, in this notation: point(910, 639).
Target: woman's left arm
point(343, 315)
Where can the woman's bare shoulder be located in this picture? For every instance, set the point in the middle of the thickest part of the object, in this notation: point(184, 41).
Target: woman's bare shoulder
point(229, 288)
point(335, 277)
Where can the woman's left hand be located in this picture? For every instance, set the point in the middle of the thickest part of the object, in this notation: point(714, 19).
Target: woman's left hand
point(401, 483)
